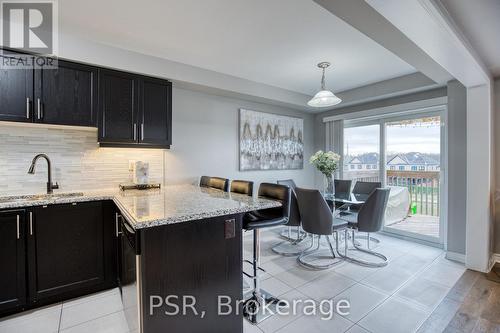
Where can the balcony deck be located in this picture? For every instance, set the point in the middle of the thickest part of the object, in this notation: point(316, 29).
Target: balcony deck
point(419, 224)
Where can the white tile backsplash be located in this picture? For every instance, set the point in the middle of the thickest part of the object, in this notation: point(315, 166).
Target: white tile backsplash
point(78, 164)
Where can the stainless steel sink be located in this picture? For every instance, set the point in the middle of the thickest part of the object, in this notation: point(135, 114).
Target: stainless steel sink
point(40, 197)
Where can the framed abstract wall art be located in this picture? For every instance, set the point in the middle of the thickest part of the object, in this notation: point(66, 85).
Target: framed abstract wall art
point(270, 141)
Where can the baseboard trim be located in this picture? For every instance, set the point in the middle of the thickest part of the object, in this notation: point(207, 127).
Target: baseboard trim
point(455, 256)
point(495, 258)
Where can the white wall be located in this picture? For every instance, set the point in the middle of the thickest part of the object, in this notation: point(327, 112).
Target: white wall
point(205, 140)
point(479, 178)
point(457, 168)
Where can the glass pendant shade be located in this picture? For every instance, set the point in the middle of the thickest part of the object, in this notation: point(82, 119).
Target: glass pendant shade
point(324, 98)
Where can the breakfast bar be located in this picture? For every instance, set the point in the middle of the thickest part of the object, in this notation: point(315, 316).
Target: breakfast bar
point(180, 250)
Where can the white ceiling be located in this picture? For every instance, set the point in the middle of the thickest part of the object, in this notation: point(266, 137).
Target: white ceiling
point(479, 20)
point(276, 42)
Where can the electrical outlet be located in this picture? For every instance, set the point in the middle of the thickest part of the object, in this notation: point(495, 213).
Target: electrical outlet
point(230, 229)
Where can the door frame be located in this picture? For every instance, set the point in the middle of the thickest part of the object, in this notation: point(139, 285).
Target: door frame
point(370, 117)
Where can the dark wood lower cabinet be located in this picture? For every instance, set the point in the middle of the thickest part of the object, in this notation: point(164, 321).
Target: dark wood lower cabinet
point(195, 259)
point(62, 251)
point(12, 260)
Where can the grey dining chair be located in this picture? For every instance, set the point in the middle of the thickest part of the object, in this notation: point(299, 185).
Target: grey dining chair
point(318, 222)
point(292, 232)
point(361, 191)
point(370, 218)
point(291, 246)
point(343, 188)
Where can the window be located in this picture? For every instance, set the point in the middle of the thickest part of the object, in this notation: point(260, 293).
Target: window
point(421, 168)
point(401, 168)
point(393, 167)
point(361, 144)
point(413, 168)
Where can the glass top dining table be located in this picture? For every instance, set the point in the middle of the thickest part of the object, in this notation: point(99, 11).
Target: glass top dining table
point(336, 203)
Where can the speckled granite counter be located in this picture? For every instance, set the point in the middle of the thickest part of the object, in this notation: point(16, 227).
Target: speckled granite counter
point(143, 209)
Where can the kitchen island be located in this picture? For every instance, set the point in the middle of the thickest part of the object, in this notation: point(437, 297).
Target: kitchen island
point(188, 252)
point(180, 249)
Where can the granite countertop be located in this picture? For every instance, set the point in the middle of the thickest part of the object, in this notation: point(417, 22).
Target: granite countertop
point(149, 208)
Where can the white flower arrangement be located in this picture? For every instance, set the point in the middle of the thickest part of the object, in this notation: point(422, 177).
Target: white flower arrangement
point(325, 162)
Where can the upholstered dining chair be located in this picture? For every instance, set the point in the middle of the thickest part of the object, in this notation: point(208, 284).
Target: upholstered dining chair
point(318, 222)
point(369, 218)
point(291, 245)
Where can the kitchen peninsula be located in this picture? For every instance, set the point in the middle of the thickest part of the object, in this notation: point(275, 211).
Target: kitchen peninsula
point(178, 241)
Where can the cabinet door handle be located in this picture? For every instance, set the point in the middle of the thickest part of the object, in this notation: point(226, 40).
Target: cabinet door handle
point(142, 132)
point(17, 225)
point(117, 223)
point(27, 108)
point(39, 108)
point(31, 223)
point(135, 131)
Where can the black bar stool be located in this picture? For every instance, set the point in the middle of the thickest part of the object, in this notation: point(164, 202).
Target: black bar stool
point(204, 181)
point(219, 183)
point(256, 221)
point(242, 187)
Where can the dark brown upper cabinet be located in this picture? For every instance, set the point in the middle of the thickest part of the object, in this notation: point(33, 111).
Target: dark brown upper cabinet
point(130, 110)
point(16, 91)
point(134, 110)
point(118, 107)
point(155, 112)
point(66, 95)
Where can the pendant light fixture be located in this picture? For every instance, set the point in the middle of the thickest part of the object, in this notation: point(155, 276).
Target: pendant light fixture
point(324, 97)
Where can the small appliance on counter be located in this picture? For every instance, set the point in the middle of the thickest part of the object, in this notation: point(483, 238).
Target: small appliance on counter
point(139, 177)
point(132, 186)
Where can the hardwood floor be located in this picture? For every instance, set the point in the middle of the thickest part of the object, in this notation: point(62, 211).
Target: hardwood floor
point(472, 305)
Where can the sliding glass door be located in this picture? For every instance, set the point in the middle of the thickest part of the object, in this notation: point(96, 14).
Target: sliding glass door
point(406, 154)
point(413, 171)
